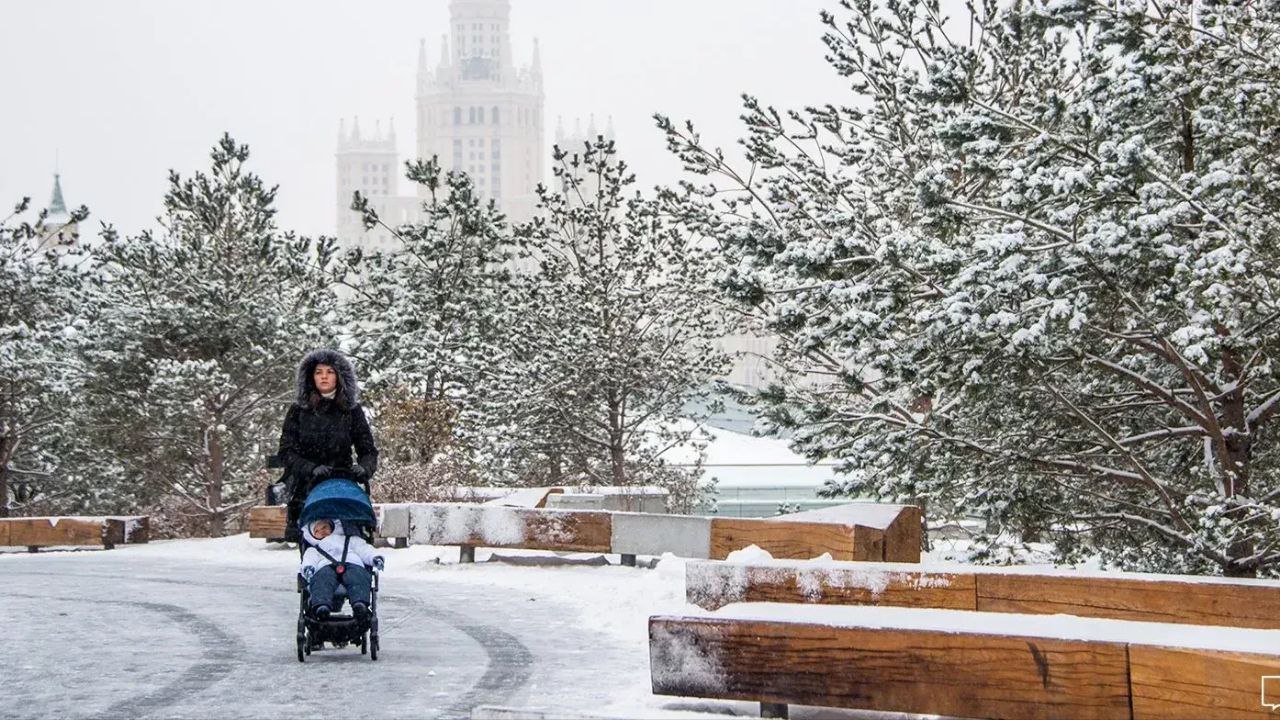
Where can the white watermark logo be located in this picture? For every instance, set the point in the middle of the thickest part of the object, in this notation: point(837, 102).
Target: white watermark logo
point(1271, 692)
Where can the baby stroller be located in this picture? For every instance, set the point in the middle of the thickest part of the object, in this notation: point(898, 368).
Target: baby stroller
point(343, 500)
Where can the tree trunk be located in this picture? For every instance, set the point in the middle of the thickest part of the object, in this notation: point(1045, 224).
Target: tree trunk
point(6, 451)
point(213, 487)
point(555, 469)
point(617, 455)
point(1239, 442)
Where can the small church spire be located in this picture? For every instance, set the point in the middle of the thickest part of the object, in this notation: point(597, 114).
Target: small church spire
point(57, 206)
point(444, 50)
point(422, 56)
point(537, 58)
point(355, 129)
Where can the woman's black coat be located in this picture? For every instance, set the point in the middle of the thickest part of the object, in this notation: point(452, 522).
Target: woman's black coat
point(319, 431)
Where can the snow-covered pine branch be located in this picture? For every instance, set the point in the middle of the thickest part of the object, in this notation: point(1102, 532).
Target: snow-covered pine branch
point(1087, 192)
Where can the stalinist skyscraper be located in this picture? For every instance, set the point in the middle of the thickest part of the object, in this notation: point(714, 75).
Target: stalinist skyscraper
point(477, 112)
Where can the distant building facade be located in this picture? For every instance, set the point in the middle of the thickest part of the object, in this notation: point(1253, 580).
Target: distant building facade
point(476, 111)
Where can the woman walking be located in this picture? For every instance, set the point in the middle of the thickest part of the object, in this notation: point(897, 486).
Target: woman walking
point(323, 425)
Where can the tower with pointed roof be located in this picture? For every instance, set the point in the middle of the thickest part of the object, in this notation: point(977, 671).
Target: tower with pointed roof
point(480, 113)
point(367, 163)
point(476, 111)
point(62, 232)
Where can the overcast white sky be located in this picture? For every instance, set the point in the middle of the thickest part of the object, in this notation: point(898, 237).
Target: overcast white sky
point(121, 91)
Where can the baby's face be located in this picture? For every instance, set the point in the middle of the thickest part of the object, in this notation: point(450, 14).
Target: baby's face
point(322, 529)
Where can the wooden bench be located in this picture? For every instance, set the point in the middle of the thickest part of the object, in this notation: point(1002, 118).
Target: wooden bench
point(268, 522)
point(854, 531)
point(964, 664)
point(105, 532)
point(1231, 602)
point(858, 532)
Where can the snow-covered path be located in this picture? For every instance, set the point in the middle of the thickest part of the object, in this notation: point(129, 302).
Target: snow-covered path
point(206, 628)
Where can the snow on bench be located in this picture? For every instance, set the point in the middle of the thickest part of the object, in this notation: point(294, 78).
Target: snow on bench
point(962, 663)
point(268, 522)
point(861, 532)
point(105, 532)
point(526, 497)
point(869, 531)
point(1232, 602)
point(471, 526)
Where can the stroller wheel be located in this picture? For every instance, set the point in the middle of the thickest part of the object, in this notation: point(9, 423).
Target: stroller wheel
point(373, 647)
point(364, 644)
point(302, 651)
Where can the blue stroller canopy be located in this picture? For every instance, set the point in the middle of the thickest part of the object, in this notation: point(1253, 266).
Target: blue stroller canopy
point(338, 499)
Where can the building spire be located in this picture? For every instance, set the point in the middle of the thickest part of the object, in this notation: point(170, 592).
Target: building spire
point(537, 58)
point(355, 129)
point(444, 50)
point(422, 55)
point(56, 205)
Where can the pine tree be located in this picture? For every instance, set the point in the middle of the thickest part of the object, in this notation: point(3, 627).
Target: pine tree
point(197, 330)
point(1029, 269)
point(38, 325)
point(430, 311)
point(615, 335)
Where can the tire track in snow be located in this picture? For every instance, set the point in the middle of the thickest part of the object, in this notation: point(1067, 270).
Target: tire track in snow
point(510, 661)
point(508, 670)
point(218, 650)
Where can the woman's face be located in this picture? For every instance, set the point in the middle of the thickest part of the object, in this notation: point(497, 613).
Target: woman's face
point(325, 378)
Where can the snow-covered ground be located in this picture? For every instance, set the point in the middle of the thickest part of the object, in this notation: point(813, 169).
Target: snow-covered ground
point(740, 460)
point(205, 628)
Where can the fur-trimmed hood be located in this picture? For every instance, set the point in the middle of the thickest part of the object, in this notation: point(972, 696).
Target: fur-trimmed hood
point(348, 383)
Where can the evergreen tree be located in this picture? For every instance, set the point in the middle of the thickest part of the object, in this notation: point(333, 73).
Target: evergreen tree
point(615, 335)
point(1029, 269)
point(430, 310)
point(38, 326)
point(197, 331)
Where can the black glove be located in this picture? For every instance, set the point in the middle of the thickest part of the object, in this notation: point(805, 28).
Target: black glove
point(276, 494)
point(359, 473)
point(321, 471)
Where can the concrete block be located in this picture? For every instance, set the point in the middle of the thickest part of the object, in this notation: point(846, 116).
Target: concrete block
point(576, 501)
point(393, 521)
point(654, 534)
point(642, 502)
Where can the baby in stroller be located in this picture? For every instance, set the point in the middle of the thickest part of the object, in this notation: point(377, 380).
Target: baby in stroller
point(326, 565)
point(337, 522)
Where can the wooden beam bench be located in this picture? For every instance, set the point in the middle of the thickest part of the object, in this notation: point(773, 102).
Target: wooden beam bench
point(860, 531)
point(855, 531)
point(963, 664)
point(1231, 602)
point(472, 526)
point(105, 532)
point(267, 522)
